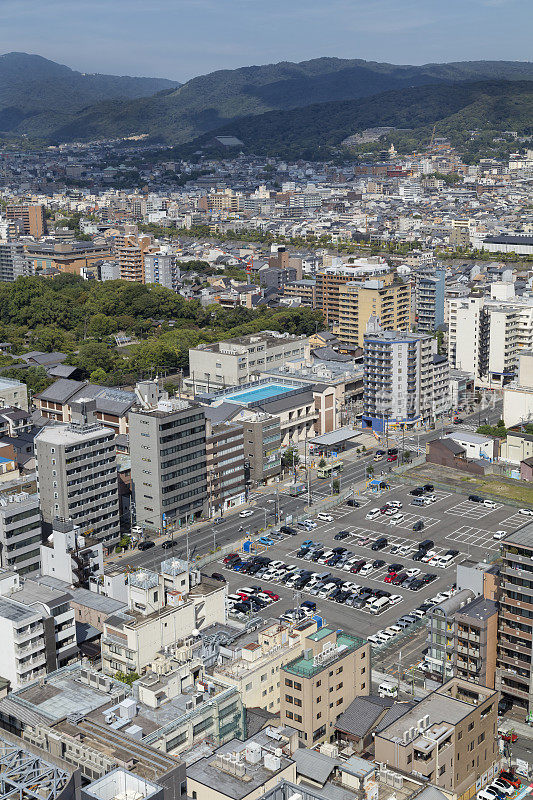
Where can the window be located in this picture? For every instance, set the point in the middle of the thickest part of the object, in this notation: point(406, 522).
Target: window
point(319, 715)
point(297, 686)
point(481, 738)
point(339, 701)
point(288, 682)
point(340, 685)
point(248, 687)
point(339, 670)
point(319, 698)
point(288, 698)
point(297, 718)
point(297, 701)
point(409, 759)
point(318, 683)
point(460, 735)
point(288, 714)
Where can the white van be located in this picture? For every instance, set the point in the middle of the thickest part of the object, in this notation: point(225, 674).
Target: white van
point(373, 513)
point(388, 690)
point(378, 604)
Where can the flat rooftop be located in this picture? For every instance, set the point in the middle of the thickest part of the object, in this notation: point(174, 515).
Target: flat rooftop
point(307, 667)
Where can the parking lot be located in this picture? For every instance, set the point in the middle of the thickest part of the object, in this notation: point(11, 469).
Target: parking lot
point(452, 522)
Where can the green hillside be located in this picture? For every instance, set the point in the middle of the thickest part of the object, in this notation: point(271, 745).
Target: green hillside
point(456, 108)
point(208, 102)
point(37, 95)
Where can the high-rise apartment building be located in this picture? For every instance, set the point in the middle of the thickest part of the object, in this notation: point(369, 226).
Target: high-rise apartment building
point(31, 217)
point(357, 302)
point(399, 380)
point(130, 254)
point(226, 484)
point(497, 329)
point(514, 674)
point(162, 269)
point(13, 261)
point(20, 532)
point(168, 464)
point(430, 301)
point(77, 476)
point(317, 686)
point(331, 278)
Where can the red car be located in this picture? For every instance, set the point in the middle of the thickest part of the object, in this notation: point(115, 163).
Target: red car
point(242, 595)
point(508, 777)
point(392, 458)
point(231, 557)
point(509, 736)
point(273, 596)
point(390, 577)
point(384, 508)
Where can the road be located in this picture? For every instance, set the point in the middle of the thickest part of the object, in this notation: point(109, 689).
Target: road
point(264, 501)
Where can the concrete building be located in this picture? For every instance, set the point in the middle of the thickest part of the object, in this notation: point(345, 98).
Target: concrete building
point(262, 443)
point(389, 301)
point(255, 662)
point(304, 289)
point(449, 738)
point(168, 464)
point(162, 608)
point(162, 269)
point(130, 253)
point(240, 770)
point(31, 218)
point(75, 258)
point(57, 618)
point(498, 329)
point(234, 362)
point(13, 262)
point(399, 389)
point(65, 715)
point(77, 477)
point(69, 556)
point(226, 480)
point(462, 639)
point(518, 395)
point(20, 532)
point(319, 685)
point(430, 300)
point(514, 664)
point(331, 278)
point(13, 393)
point(23, 655)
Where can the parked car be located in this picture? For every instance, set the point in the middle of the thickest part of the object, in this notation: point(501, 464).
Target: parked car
point(419, 524)
point(288, 530)
point(353, 503)
point(341, 535)
point(475, 498)
point(394, 599)
point(380, 543)
point(373, 513)
point(489, 503)
point(499, 535)
point(527, 512)
point(218, 577)
point(323, 517)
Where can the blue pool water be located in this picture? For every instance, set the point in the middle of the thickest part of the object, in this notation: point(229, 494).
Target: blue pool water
point(260, 393)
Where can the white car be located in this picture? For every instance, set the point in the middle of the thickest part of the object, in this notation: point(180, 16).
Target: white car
point(403, 550)
point(373, 513)
point(527, 512)
point(324, 517)
point(374, 639)
point(393, 630)
point(499, 535)
point(395, 598)
point(349, 564)
point(394, 504)
point(247, 512)
point(366, 569)
point(489, 503)
point(429, 555)
point(439, 598)
point(383, 636)
point(396, 519)
point(413, 572)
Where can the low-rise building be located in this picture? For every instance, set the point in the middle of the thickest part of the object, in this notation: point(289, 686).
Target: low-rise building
point(449, 738)
point(319, 685)
point(161, 608)
point(257, 659)
point(70, 556)
point(20, 532)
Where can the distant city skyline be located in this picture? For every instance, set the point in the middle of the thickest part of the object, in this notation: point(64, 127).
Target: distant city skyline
point(179, 39)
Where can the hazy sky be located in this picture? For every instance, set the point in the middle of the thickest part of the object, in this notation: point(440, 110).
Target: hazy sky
point(182, 38)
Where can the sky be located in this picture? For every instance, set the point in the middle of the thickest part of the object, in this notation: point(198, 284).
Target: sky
point(179, 39)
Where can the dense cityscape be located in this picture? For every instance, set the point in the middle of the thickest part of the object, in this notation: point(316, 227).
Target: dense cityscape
point(233, 355)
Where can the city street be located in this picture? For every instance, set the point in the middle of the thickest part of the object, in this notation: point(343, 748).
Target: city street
point(205, 538)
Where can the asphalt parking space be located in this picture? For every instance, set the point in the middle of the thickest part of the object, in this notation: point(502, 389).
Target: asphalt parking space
point(444, 528)
point(408, 521)
point(472, 510)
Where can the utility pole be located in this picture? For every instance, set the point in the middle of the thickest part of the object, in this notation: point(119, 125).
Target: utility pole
point(399, 670)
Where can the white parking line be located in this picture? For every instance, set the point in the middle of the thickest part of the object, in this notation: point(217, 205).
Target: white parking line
point(408, 521)
point(474, 536)
point(515, 521)
point(471, 510)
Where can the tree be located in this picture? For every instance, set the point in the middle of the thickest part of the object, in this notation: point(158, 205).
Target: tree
point(322, 463)
point(94, 355)
point(98, 376)
point(127, 678)
point(290, 458)
point(336, 486)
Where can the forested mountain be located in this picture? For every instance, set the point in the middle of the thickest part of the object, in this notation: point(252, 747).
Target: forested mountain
point(37, 95)
point(456, 109)
point(211, 101)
